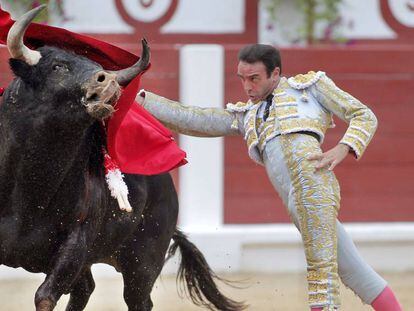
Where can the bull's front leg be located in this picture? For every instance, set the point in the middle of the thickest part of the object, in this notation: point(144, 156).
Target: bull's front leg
point(68, 264)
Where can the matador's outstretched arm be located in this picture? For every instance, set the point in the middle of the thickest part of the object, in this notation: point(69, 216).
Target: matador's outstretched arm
point(189, 120)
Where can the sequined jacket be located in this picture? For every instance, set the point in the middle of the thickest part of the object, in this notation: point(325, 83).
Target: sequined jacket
point(305, 102)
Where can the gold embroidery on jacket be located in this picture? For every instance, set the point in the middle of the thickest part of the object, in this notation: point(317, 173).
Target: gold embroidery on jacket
point(303, 81)
point(250, 128)
point(295, 125)
point(286, 111)
point(363, 122)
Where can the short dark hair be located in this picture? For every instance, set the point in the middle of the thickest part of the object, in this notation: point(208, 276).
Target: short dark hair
point(267, 54)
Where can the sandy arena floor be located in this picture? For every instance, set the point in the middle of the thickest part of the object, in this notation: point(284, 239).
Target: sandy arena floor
point(262, 292)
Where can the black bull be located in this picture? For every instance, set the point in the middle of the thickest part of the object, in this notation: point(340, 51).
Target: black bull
point(56, 212)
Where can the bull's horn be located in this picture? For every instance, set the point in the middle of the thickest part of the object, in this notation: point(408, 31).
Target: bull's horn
point(15, 43)
point(124, 76)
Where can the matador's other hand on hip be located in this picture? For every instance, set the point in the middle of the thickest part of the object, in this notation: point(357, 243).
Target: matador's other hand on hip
point(330, 158)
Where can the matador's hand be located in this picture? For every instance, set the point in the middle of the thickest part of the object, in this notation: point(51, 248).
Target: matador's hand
point(331, 157)
point(140, 97)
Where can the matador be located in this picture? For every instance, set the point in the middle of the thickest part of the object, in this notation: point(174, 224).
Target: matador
point(284, 123)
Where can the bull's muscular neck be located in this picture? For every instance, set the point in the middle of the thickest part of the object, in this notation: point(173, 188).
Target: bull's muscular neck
point(42, 146)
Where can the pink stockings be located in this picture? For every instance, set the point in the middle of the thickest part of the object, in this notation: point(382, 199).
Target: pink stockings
point(385, 301)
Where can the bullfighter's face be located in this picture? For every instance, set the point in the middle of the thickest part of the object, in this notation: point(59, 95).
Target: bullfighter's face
point(255, 80)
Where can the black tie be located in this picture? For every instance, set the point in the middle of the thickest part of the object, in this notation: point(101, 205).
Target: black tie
point(269, 99)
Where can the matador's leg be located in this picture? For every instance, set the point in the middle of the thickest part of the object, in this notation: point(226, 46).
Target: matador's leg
point(314, 198)
point(353, 270)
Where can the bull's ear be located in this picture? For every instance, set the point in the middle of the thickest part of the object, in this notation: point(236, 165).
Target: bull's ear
point(20, 68)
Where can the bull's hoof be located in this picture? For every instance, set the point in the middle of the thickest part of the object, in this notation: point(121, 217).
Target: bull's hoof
point(45, 305)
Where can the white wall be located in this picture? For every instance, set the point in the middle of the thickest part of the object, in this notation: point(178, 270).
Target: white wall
point(191, 16)
point(360, 20)
point(201, 180)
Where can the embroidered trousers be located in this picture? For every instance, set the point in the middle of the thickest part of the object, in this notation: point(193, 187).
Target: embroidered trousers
point(312, 198)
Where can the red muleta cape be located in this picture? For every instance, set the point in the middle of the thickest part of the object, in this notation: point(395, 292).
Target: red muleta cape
point(138, 142)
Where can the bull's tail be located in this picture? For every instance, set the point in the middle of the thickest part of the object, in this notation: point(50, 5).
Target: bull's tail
point(196, 274)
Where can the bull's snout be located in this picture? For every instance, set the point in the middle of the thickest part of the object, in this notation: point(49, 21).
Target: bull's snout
point(102, 92)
